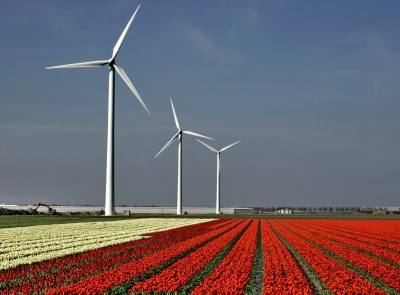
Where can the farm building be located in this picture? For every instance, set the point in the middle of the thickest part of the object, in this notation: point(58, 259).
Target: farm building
point(392, 210)
point(243, 211)
point(284, 211)
point(380, 210)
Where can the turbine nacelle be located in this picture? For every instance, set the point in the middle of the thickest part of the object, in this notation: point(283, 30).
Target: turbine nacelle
point(214, 150)
point(180, 131)
point(110, 62)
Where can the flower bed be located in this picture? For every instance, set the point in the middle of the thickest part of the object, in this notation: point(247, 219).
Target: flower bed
point(233, 274)
point(180, 273)
point(385, 272)
point(282, 275)
point(198, 256)
point(336, 276)
point(47, 274)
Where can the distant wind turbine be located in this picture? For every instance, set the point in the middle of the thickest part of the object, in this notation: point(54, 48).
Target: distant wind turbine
point(179, 136)
point(109, 203)
point(217, 206)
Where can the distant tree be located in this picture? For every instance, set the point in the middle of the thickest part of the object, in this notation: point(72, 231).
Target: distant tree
point(330, 209)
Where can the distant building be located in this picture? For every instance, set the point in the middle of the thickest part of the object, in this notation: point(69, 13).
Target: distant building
point(243, 211)
point(367, 210)
point(284, 211)
point(392, 210)
point(380, 210)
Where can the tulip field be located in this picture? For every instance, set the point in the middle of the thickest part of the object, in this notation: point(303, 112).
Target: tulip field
point(202, 256)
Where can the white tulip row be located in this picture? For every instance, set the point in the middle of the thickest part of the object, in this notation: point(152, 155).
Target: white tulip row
point(25, 245)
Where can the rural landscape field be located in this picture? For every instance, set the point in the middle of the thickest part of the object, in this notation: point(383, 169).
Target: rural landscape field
point(199, 256)
point(269, 165)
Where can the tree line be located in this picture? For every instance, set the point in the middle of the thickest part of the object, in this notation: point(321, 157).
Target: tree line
point(310, 210)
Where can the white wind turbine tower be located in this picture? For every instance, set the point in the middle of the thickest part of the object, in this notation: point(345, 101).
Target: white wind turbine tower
point(179, 136)
point(217, 206)
point(109, 203)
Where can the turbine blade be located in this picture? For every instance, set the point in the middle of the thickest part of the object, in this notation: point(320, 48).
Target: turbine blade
point(196, 134)
point(214, 150)
point(227, 147)
point(168, 143)
point(122, 37)
point(128, 82)
point(176, 118)
point(87, 64)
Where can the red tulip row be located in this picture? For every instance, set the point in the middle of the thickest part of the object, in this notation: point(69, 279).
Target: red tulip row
point(180, 273)
point(83, 270)
point(65, 270)
point(363, 244)
point(335, 275)
point(369, 241)
point(282, 275)
point(233, 274)
point(382, 231)
point(385, 272)
point(107, 280)
point(36, 269)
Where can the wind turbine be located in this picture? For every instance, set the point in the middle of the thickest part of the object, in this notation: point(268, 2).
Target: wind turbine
point(179, 136)
point(109, 203)
point(217, 207)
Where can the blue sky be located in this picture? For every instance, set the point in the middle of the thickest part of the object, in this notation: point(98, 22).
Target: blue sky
point(310, 87)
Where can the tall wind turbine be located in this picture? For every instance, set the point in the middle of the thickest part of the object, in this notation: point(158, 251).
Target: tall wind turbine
point(179, 136)
point(109, 203)
point(217, 206)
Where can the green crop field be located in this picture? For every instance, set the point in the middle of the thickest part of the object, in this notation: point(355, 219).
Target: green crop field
point(20, 221)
